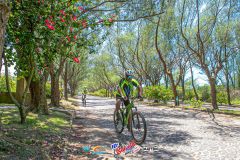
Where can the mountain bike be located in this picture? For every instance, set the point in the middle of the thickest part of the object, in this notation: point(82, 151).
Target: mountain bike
point(138, 127)
point(84, 101)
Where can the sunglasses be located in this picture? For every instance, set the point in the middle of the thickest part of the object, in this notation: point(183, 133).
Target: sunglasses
point(129, 77)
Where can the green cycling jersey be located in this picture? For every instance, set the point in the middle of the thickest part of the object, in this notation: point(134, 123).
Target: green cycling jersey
point(126, 86)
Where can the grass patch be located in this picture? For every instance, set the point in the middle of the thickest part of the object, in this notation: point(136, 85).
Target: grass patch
point(5, 104)
point(69, 103)
point(22, 141)
point(236, 101)
point(230, 112)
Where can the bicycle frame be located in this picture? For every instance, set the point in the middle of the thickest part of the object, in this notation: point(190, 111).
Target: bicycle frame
point(128, 108)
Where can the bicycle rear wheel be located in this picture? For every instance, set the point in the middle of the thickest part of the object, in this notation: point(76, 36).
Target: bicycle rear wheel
point(118, 121)
point(138, 127)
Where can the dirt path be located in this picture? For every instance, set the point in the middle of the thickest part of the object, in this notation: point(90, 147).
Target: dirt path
point(173, 134)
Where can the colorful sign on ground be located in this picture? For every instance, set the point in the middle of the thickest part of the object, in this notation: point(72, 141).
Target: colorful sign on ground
point(130, 148)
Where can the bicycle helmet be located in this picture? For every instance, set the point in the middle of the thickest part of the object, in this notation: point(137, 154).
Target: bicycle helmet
point(129, 74)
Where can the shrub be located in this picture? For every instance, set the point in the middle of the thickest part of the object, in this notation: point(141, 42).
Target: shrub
point(48, 90)
point(189, 94)
point(158, 93)
point(196, 103)
point(222, 97)
point(12, 83)
point(100, 92)
point(205, 93)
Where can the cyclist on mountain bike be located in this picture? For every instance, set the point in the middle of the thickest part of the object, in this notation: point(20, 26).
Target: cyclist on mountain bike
point(84, 94)
point(125, 89)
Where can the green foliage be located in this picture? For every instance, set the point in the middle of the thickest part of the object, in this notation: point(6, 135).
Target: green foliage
point(189, 94)
point(28, 138)
point(195, 103)
point(12, 83)
point(158, 93)
point(235, 101)
point(222, 97)
point(48, 90)
point(100, 92)
point(205, 93)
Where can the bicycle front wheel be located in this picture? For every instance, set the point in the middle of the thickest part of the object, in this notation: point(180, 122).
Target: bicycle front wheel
point(138, 128)
point(118, 121)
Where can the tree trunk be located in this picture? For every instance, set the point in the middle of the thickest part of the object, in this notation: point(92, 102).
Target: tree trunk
point(183, 87)
point(65, 82)
point(23, 114)
point(55, 92)
point(72, 93)
point(227, 86)
point(35, 95)
point(212, 82)
point(43, 97)
point(21, 84)
point(238, 77)
point(174, 89)
point(4, 15)
point(175, 94)
point(193, 85)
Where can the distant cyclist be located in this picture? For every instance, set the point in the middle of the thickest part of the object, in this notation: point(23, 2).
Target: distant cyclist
point(84, 94)
point(125, 89)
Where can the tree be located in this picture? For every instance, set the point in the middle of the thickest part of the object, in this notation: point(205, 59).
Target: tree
point(170, 54)
point(4, 15)
point(203, 39)
point(38, 38)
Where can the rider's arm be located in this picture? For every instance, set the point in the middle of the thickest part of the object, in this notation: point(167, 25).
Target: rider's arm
point(120, 91)
point(139, 87)
point(140, 90)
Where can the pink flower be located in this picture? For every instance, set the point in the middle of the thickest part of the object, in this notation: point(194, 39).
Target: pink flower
point(63, 13)
point(71, 29)
point(75, 37)
point(84, 23)
point(47, 21)
point(74, 18)
point(49, 24)
point(68, 38)
point(62, 19)
point(80, 8)
point(76, 60)
point(50, 27)
point(110, 20)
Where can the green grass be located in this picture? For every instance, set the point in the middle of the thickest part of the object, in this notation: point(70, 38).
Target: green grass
point(36, 130)
point(235, 101)
point(231, 112)
point(192, 107)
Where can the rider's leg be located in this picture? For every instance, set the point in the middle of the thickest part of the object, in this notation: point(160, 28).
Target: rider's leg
point(126, 103)
point(118, 103)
